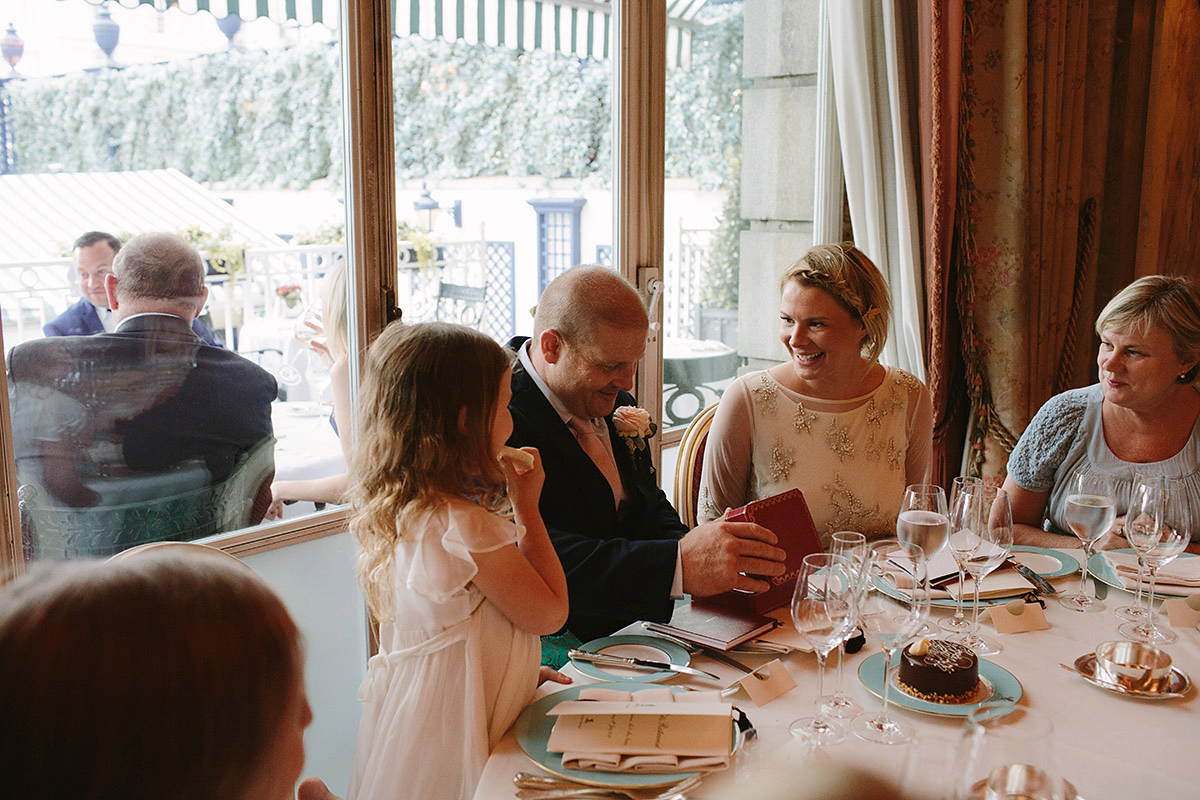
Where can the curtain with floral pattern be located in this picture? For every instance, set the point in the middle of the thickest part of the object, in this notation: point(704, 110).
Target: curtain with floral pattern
point(1024, 121)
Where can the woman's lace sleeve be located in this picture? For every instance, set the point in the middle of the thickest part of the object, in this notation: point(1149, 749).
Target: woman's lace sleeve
point(1047, 440)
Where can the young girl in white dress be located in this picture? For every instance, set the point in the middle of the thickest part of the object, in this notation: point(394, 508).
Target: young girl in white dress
point(460, 573)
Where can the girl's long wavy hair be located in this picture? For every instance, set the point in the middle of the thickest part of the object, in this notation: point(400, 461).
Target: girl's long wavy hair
point(425, 413)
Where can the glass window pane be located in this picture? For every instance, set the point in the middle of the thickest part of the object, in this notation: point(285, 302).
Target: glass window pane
point(503, 158)
point(227, 133)
point(703, 215)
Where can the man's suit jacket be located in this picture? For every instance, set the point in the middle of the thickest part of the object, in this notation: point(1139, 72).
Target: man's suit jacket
point(81, 319)
point(154, 392)
point(619, 566)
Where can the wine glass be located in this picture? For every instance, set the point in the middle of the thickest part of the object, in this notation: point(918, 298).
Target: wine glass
point(958, 623)
point(317, 375)
point(823, 610)
point(1006, 752)
point(891, 619)
point(1090, 513)
point(309, 326)
point(1143, 524)
point(852, 545)
point(923, 521)
point(1173, 536)
point(983, 544)
point(289, 377)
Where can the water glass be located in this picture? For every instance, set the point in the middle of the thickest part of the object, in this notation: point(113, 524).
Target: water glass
point(1090, 513)
point(1007, 752)
point(924, 521)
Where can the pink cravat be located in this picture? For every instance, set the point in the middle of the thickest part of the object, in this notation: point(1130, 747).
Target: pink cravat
point(587, 433)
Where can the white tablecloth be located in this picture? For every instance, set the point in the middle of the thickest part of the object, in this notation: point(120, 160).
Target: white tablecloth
point(1109, 746)
point(306, 447)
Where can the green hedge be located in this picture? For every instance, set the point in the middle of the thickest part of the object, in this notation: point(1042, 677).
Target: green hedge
point(274, 118)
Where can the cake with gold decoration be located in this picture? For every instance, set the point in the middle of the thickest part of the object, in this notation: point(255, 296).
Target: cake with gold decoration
point(938, 671)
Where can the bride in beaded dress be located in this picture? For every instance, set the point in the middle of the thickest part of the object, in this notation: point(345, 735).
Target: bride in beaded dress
point(831, 421)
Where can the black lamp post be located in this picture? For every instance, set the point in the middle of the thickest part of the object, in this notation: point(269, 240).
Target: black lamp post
point(427, 210)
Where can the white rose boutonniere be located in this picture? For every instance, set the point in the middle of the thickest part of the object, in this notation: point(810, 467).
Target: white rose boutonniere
point(635, 427)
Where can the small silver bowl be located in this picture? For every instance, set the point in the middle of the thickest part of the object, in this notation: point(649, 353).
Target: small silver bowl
point(1133, 665)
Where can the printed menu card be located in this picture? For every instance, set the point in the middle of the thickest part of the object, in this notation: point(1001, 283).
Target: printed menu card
point(651, 732)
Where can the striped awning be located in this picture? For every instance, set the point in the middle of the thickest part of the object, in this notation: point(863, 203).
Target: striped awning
point(572, 27)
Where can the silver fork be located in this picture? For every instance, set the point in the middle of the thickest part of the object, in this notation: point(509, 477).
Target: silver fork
point(540, 787)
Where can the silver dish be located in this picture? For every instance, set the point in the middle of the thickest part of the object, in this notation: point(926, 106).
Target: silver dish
point(1175, 687)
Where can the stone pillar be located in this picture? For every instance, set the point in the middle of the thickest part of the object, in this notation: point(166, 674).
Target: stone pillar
point(779, 142)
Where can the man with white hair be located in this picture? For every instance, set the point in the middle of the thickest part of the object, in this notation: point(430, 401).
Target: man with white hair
point(147, 397)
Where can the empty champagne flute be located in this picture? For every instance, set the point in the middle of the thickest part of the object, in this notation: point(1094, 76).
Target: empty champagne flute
point(958, 623)
point(1173, 536)
point(853, 546)
point(1090, 513)
point(823, 611)
point(891, 619)
point(923, 520)
point(1143, 523)
point(986, 541)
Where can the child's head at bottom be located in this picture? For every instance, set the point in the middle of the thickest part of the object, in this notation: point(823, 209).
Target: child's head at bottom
point(429, 400)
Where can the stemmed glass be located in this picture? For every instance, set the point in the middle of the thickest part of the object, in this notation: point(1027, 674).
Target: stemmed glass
point(923, 521)
point(853, 546)
point(981, 545)
point(1090, 513)
point(1143, 524)
point(1159, 550)
point(1006, 752)
point(318, 377)
point(823, 610)
point(891, 619)
point(958, 623)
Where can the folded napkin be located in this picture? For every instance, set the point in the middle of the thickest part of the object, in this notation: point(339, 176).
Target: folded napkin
point(1182, 575)
point(649, 731)
point(1001, 582)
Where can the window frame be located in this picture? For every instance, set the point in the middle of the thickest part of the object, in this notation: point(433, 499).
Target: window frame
point(366, 31)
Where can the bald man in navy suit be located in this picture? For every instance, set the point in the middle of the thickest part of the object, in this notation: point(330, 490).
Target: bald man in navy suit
point(626, 554)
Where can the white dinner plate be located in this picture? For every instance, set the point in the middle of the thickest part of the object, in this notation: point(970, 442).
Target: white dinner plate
point(651, 648)
point(1045, 561)
point(1103, 572)
point(533, 731)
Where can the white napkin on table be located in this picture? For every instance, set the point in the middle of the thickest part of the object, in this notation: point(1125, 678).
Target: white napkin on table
point(606, 759)
point(1182, 575)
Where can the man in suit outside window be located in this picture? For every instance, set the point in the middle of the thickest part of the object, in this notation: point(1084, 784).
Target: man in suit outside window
point(626, 554)
point(93, 254)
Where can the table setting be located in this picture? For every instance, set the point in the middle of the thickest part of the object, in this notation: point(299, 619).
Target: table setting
point(1106, 711)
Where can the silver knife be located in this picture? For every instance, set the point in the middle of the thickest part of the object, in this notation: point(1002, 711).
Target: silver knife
point(1038, 581)
point(608, 660)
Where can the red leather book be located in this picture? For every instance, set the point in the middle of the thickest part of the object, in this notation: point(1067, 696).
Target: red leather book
point(787, 516)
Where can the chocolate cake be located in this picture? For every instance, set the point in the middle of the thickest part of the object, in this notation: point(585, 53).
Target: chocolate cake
point(938, 671)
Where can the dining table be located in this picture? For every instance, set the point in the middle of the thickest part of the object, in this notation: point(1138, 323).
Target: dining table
point(306, 447)
point(1109, 746)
